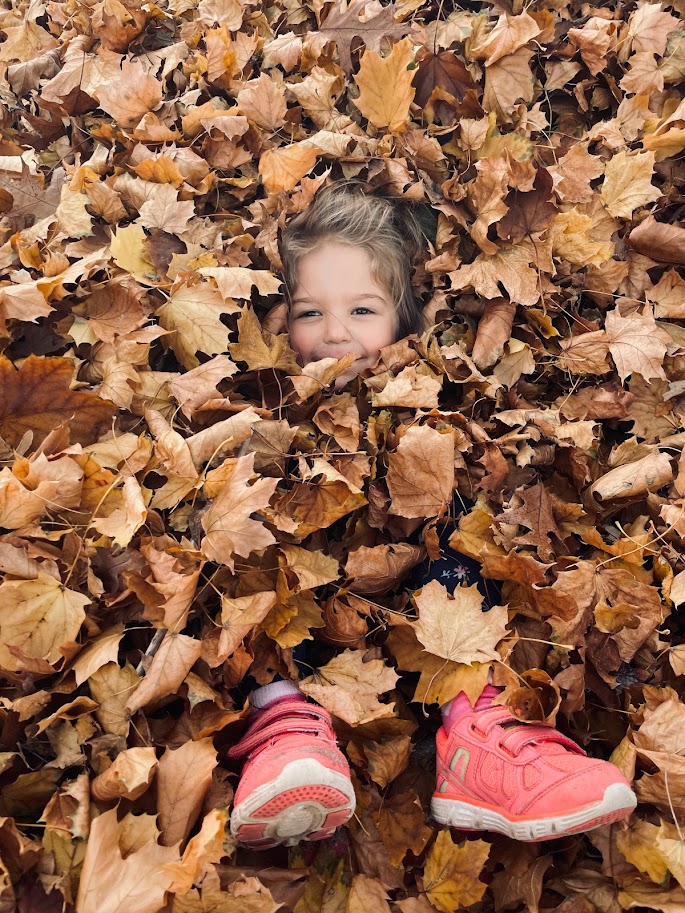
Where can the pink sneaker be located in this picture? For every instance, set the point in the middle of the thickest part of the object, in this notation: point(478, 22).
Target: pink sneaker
point(528, 782)
point(295, 784)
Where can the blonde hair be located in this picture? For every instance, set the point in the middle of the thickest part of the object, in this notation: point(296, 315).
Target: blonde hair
point(388, 230)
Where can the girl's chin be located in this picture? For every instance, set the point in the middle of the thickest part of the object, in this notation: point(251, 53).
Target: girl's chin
point(344, 379)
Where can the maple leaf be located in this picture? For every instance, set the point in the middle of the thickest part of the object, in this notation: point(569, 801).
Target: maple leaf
point(509, 34)
point(41, 616)
point(259, 349)
point(229, 527)
point(344, 23)
point(627, 183)
point(455, 627)
point(282, 168)
point(183, 778)
point(494, 329)
point(649, 28)
point(262, 101)
point(240, 616)
point(128, 777)
point(37, 397)
point(385, 86)
point(451, 872)
point(193, 314)
point(169, 667)
point(636, 344)
point(164, 210)
point(535, 513)
point(421, 473)
point(349, 687)
point(445, 72)
point(110, 882)
point(510, 266)
point(131, 96)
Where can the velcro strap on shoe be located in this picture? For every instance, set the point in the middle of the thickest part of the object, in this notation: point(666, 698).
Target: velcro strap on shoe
point(517, 739)
point(284, 718)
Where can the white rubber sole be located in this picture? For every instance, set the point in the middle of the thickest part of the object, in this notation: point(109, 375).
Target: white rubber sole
point(301, 819)
point(618, 801)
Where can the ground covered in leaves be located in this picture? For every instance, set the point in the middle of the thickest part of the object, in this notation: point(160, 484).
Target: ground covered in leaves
point(181, 505)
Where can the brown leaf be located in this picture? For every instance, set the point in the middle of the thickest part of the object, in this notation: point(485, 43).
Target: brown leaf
point(659, 241)
point(344, 23)
point(636, 344)
point(349, 688)
point(494, 330)
point(170, 665)
point(128, 777)
point(37, 397)
point(130, 96)
point(228, 523)
point(183, 778)
point(109, 882)
point(421, 473)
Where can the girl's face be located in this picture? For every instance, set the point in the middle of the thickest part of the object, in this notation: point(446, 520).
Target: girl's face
point(338, 307)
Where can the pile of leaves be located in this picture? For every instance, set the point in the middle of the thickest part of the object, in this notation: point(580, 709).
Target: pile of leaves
point(182, 505)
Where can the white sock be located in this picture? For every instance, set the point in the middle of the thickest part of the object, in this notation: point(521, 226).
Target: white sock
point(265, 695)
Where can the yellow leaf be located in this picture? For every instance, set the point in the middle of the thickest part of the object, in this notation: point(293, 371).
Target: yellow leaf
point(281, 168)
point(450, 876)
point(194, 312)
point(38, 617)
point(385, 86)
point(128, 253)
point(628, 183)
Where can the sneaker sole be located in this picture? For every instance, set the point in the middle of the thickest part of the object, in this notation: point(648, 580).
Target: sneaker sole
point(307, 801)
point(617, 802)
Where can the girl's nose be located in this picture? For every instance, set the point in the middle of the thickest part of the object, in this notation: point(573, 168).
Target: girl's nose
point(336, 329)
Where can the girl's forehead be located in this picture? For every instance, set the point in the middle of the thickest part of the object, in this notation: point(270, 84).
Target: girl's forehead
point(347, 266)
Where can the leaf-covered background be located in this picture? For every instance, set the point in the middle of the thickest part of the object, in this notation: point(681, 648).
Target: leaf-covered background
point(181, 505)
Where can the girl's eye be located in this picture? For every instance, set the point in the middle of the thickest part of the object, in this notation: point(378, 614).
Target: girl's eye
point(363, 310)
point(310, 313)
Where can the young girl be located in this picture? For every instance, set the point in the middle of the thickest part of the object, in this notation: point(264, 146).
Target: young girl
point(347, 264)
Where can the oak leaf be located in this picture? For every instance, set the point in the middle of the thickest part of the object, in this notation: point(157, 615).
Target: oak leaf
point(385, 86)
point(349, 688)
point(456, 627)
point(450, 876)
